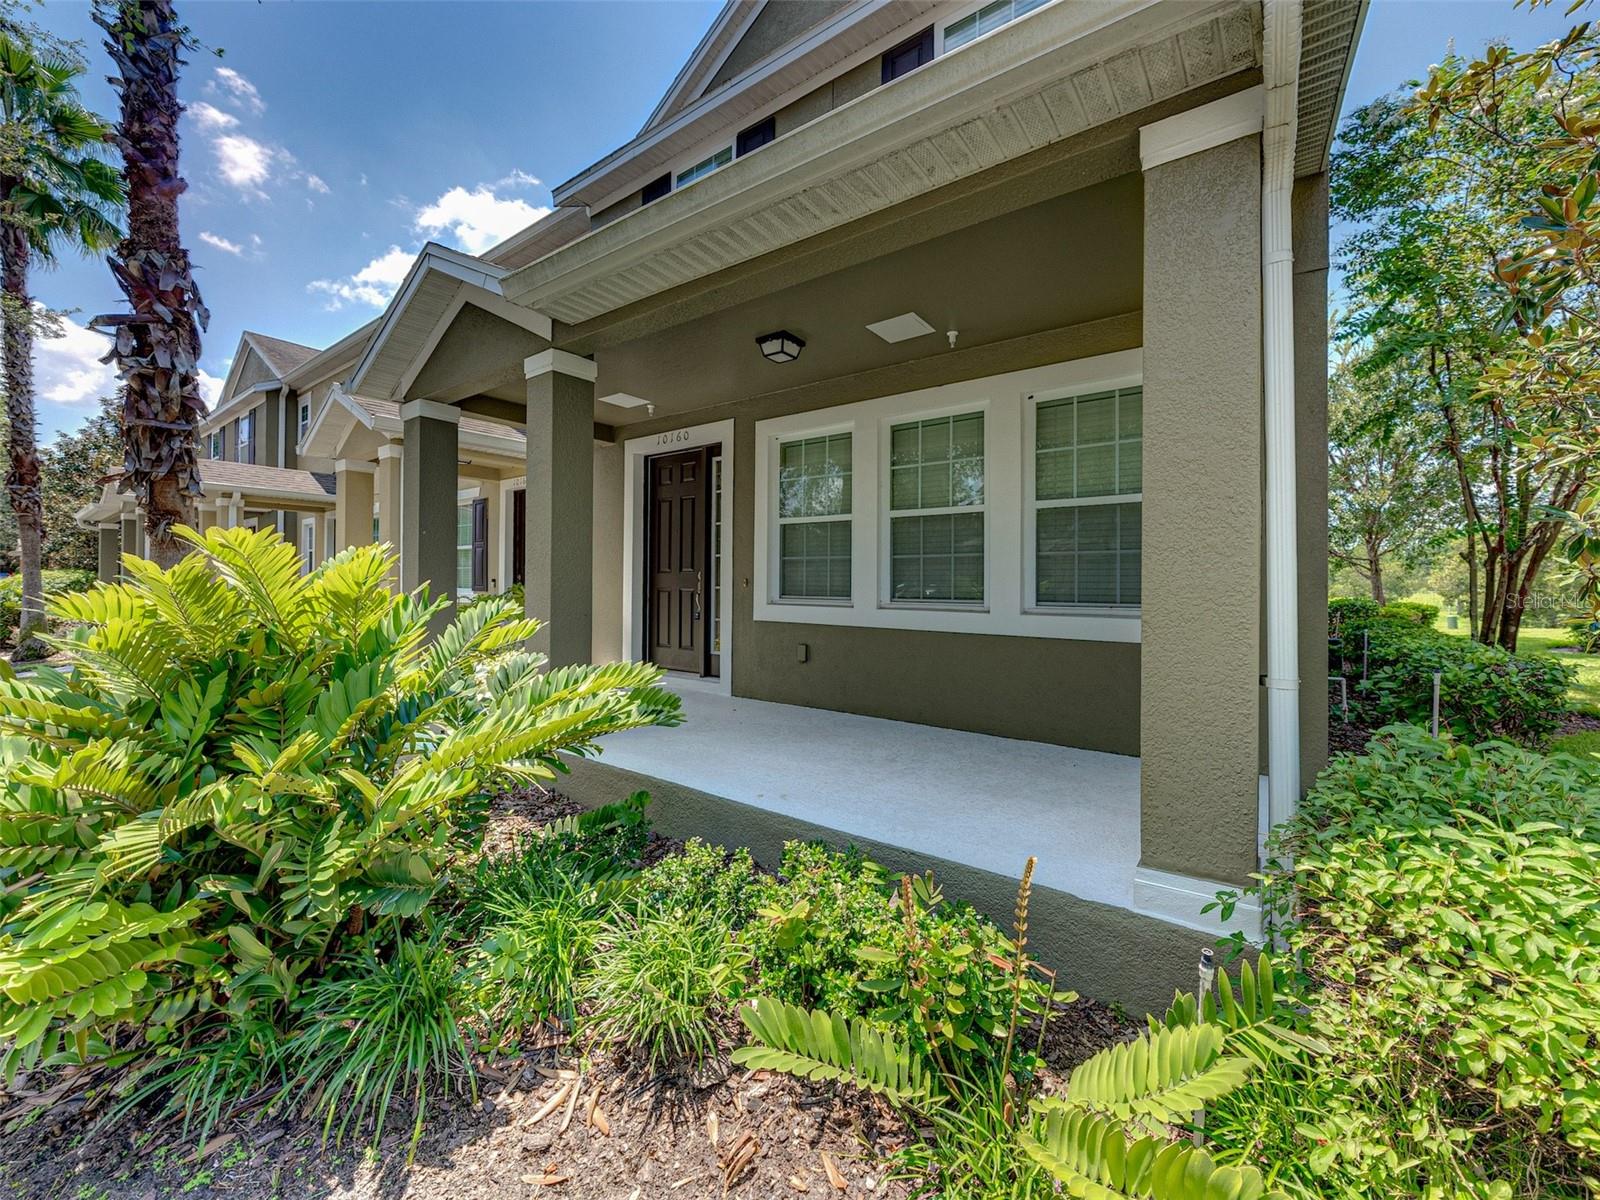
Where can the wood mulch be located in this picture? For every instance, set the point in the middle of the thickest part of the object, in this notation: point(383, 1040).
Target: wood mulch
point(548, 1123)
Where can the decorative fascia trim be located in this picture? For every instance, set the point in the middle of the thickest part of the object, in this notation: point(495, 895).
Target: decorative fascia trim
point(561, 362)
point(432, 410)
point(1203, 128)
point(342, 465)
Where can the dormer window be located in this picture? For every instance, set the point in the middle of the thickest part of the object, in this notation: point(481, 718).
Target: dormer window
point(757, 136)
point(916, 51)
point(705, 166)
point(987, 19)
point(656, 189)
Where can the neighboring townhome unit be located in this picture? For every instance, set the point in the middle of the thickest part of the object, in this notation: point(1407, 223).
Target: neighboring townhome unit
point(938, 392)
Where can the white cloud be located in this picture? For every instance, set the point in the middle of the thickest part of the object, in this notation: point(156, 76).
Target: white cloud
point(314, 182)
point(237, 89)
point(221, 243)
point(209, 116)
point(246, 163)
point(477, 219)
point(517, 178)
point(210, 388)
point(372, 285)
point(68, 370)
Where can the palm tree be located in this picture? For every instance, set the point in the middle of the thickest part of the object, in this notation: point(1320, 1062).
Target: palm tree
point(55, 193)
point(158, 342)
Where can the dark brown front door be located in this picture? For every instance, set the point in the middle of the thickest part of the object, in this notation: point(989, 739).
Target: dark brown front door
point(678, 573)
point(519, 535)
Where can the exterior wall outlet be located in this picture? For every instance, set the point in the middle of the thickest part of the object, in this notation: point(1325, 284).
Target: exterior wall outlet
point(802, 652)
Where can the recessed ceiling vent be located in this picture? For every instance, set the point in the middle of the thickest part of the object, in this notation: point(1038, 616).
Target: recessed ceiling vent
point(899, 329)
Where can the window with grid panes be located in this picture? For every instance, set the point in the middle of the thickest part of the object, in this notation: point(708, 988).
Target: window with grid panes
point(1088, 484)
point(936, 510)
point(814, 505)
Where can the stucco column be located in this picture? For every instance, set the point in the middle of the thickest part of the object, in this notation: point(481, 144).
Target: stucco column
point(130, 537)
point(1200, 662)
point(560, 534)
point(109, 558)
point(355, 484)
point(388, 498)
point(428, 465)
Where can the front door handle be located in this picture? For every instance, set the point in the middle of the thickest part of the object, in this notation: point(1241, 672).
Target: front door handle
point(699, 582)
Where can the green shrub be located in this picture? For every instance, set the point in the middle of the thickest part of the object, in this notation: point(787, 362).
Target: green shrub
point(1413, 612)
point(659, 983)
point(1348, 614)
point(1450, 914)
point(705, 882)
point(56, 583)
point(1484, 691)
point(809, 922)
point(541, 912)
point(249, 773)
point(379, 1029)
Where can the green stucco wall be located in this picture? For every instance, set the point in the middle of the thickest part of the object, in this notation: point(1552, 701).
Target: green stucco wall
point(775, 27)
point(1202, 513)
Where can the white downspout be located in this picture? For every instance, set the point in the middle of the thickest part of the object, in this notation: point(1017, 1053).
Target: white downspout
point(1281, 69)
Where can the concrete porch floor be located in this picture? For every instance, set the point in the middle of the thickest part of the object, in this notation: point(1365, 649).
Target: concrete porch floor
point(987, 802)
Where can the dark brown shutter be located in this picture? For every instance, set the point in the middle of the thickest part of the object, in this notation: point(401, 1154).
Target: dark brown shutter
point(914, 52)
point(519, 535)
point(480, 545)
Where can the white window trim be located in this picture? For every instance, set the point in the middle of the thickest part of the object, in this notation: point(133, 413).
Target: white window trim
point(635, 451)
point(1008, 453)
point(943, 22)
point(308, 545)
point(1030, 506)
point(302, 421)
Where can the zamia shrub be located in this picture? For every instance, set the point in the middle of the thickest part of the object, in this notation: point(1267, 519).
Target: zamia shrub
point(1449, 905)
point(246, 772)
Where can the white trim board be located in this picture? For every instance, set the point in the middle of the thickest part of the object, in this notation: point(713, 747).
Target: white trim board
point(1007, 609)
point(635, 451)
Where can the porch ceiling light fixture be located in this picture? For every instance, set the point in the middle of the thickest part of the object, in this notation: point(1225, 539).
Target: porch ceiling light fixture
point(780, 346)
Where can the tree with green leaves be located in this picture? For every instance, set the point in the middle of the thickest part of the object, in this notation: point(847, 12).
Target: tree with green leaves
point(1547, 271)
point(158, 341)
point(56, 194)
point(1435, 204)
point(1390, 501)
point(76, 466)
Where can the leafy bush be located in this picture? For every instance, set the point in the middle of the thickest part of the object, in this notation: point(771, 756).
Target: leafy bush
point(1484, 691)
point(1449, 913)
point(659, 982)
point(375, 1029)
point(705, 882)
point(809, 922)
point(248, 773)
point(56, 583)
point(1349, 614)
point(1413, 612)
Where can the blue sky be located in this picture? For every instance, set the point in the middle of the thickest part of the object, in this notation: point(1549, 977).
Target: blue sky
point(332, 139)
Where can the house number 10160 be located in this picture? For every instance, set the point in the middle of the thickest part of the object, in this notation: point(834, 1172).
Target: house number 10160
point(673, 438)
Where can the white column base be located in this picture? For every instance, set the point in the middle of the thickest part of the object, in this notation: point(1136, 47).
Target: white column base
point(1178, 899)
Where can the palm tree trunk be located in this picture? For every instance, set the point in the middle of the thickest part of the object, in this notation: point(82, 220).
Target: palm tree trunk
point(22, 446)
point(158, 342)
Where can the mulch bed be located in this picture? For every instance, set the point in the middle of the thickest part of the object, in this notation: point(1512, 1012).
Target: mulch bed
point(616, 1131)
